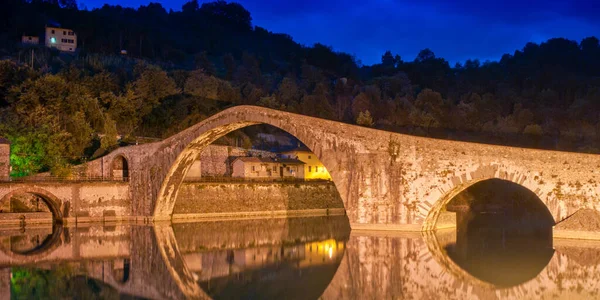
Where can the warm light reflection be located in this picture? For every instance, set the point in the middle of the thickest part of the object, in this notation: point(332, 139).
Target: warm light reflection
point(222, 263)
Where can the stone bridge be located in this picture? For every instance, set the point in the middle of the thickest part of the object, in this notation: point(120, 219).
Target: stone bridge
point(386, 180)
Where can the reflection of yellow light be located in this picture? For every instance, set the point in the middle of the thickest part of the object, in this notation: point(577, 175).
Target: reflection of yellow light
point(321, 252)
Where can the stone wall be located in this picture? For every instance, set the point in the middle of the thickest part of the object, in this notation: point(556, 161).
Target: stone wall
point(250, 197)
point(386, 180)
point(84, 200)
point(4, 161)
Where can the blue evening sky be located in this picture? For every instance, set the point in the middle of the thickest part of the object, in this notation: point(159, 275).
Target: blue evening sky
point(456, 30)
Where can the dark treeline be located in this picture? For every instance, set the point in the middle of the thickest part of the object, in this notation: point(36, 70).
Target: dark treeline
point(183, 66)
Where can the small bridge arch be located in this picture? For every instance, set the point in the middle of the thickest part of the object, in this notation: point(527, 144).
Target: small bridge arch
point(53, 202)
point(458, 184)
point(119, 168)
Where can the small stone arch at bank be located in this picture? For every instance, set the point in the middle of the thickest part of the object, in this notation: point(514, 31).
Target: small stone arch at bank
point(53, 202)
point(458, 184)
point(119, 168)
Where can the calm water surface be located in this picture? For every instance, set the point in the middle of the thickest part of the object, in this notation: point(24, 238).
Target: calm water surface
point(297, 258)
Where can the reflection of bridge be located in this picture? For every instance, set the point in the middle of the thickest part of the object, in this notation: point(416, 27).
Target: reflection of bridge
point(386, 180)
point(147, 261)
point(374, 266)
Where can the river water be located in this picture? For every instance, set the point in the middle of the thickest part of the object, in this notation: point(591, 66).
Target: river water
point(294, 258)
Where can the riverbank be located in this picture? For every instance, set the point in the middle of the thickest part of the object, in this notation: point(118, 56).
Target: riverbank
point(584, 224)
point(256, 198)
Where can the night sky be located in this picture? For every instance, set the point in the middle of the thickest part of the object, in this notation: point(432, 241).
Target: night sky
point(456, 30)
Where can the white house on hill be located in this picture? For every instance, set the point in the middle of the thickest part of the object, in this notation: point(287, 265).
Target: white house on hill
point(62, 39)
point(265, 168)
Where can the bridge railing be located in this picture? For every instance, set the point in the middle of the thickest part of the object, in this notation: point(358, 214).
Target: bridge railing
point(66, 179)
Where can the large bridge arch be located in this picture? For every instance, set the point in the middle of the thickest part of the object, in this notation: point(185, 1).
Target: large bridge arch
point(196, 138)
point(53, 202)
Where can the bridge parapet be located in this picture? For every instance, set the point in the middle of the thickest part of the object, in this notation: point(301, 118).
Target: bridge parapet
point(386, 180)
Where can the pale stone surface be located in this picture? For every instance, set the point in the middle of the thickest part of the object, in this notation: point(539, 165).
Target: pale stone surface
point(83, 199)
point(246, 197)
point(4, 160)
point(382, 177)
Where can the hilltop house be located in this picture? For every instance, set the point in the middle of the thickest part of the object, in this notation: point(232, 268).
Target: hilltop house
point(313, 167)
point(265, 168)
point(30, 40)
point(62, 39)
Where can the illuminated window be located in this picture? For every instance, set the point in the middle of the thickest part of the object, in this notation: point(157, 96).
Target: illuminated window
point(53, 40)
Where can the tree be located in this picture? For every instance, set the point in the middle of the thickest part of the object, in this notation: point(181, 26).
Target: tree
point(203, 63)
point(203, 85)
point(109, 139)
point(288, 91)
point(229, 63)
point(190, 7)
point(429, 109)
point(151, 87)
point(425, 55)
point(232, 14)
point(180, 78)
point(365, 119)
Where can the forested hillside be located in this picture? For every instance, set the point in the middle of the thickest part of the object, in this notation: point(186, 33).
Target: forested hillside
point(183, 66)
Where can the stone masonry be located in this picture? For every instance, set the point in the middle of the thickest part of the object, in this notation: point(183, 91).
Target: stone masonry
point(195, 198)
point(385, 180)
point(4, 159)
point(76, 201)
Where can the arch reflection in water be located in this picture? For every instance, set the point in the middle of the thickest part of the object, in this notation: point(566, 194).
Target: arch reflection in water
point(31, 242)
point(264, 259)
point(503, 234)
